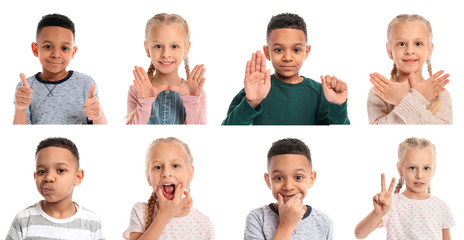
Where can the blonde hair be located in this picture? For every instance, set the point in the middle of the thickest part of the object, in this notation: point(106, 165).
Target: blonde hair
point(402, 18)
point(167, 19)
point(404, 147)
point(153, 198)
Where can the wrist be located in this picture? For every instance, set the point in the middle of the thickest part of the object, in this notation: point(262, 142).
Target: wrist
point(253, 103)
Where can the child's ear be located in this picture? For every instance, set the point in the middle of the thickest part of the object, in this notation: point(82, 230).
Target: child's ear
point(308, 49)
point(429, 53)
point(74, 51)
point(399, 169)
point(268, 181)
point(389, 51)
point(146, 49)
point(312, 179)
point(35, 50)
point(191, 174)
point(34, 175)
point(187, 49)
point(266, 53)
point(79, 177)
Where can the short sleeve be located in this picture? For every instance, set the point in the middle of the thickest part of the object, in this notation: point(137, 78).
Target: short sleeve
point(137, 220)
point(448, 218)
point(254, 226)
point(15, 232)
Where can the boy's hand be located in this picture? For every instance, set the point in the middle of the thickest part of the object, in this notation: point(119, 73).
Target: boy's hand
point(335, 90)
point(432, 87)
point(257, 79)
point(92, 107)
point(195, 82)
point(390, 92)
point(383, 200)
point(23, 95)
point(291, 212)
point(178, 206)
point(143, 85)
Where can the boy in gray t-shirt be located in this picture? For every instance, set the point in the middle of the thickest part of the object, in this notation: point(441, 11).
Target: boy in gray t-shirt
point(289, 177)
point(55, 95)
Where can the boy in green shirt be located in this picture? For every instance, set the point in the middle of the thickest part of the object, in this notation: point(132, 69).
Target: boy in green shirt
point(292, 99)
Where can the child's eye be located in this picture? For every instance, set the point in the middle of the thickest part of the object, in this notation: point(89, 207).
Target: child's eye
point(157, 167)
point(297, 50)
point(412, 168)
point(401, 44)
point(40, 172)
point(427, 168)
point(418, 44)
point(65, 48)
point(175, 46)
point(299, 178)
point(279, 178)
point(279, 50)
point(61, 170)
point(157, 46)
point(176, 166)
point(48, 47)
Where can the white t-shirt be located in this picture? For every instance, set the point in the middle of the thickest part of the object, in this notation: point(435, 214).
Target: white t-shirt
point(417, 219)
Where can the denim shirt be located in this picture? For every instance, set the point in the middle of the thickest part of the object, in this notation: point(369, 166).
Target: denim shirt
point(168, 108)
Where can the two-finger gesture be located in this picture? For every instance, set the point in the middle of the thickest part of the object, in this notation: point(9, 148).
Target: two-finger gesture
point(335, 90)
point(195, 81)
point(383, 200)
point(391, 92)
point(431, 87)
point(23, 95)
point(257, 79)
point(178, 206)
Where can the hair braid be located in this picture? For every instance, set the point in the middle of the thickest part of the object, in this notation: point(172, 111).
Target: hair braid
point(433, 108)
point(151, 71)
point(399, 185)
point(150, 210)
point(394, 73)
point(187, 67)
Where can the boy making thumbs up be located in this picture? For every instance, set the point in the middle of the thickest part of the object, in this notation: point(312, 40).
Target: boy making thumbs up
point(56, 96)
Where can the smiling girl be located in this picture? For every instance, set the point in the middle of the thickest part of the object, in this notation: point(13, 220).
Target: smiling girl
point(166, 98)
point(414, 213)
point(168, 214)
point(407, 98)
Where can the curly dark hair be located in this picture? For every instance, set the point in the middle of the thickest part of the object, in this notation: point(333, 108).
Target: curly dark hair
point(61, 143)
point(289, 146)
point(55, 20)
point(287, 20)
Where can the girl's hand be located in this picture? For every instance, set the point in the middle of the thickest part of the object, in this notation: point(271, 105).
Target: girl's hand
point(178, 206)
point(194, 84)
point(390, 92)
point(23, 95)
point(431, 87)
point(143, 85)
point(335, 90)
point(257, 79)
point(383, 200)
point(291, 212)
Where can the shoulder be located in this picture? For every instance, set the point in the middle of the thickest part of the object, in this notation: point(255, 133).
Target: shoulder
point(29, 211)
point(312, 84)
point(320, 217)
point(88, 214)
point(82, 77)
point(260, 212)
point(438, 201)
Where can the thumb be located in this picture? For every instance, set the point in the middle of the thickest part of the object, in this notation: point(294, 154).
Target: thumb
point(24, 80)
point(92, 91)
point(323, 82)
point(412, 79)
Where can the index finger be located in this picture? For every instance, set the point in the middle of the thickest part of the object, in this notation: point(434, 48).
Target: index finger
point(392, 185)
point(383, 182)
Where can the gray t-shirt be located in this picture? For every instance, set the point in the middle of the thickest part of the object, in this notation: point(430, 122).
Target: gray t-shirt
point(262, 223)
point(59, 102)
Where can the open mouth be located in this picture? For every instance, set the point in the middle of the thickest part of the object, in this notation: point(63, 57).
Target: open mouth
point(168, 190)
point(166, 63)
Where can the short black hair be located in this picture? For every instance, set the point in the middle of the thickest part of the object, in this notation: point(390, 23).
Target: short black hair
point(287, 20)
point(55, 20)
point(61, 143)
point(289, 146)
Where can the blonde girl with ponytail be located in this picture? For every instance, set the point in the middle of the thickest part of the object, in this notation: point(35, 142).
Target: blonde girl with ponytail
point(407, 97)
point(160, 95)
point(168, 214)
point(414, 213)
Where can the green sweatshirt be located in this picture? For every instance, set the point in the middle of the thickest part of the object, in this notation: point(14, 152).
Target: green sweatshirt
point(303, 103)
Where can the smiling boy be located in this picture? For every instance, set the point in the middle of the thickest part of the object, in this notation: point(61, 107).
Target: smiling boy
point(289, 177)
point(292, 99)
point(55, 95)
point(57, 216)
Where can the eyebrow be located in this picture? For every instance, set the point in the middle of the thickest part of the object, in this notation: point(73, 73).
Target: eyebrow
point(58, 164)
point(48, 41)
point(295, 170)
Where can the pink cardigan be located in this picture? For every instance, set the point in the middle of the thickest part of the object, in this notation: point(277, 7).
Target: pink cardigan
point(195, 107)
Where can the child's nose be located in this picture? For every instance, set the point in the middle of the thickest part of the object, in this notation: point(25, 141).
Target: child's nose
point(409, 49)
point(288, 185)
point(50, 177)
point(165, 53)
point(166, 172)
point(55, 53)
point(287, 56)
point(419, 174)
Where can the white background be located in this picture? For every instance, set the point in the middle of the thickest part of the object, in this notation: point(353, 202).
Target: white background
point(348, 40)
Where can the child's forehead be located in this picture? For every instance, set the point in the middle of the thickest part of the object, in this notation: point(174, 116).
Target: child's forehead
point(55, 33)
point(419, 156)
point(55, 155)
point(287, 36)
point(289, 163)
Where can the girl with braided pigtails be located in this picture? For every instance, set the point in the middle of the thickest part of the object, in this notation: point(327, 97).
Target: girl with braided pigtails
point(168, 213)
point(160, 95)
point(407, 98)
point(414, 213)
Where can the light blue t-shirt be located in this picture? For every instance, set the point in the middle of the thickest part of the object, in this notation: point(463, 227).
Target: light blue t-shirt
point(59, 102)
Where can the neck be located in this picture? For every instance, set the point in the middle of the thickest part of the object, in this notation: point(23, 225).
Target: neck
point(59, 210)
point(293, 79)
point(416, 195)
point(403, 76)
point(172, 79)
point(49, 76)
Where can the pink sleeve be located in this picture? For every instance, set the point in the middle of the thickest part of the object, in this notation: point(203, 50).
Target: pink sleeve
point(142, 107)
point(137, 221)
point(195, 108)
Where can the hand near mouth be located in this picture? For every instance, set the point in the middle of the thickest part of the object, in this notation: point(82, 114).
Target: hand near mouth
point(257, 79)
point(432, 87)
point(383, 200)
point(391, 92)
point(178, 206)
point(195, 81)
point(290, 214)
point(143, 85)
point(335, 90)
